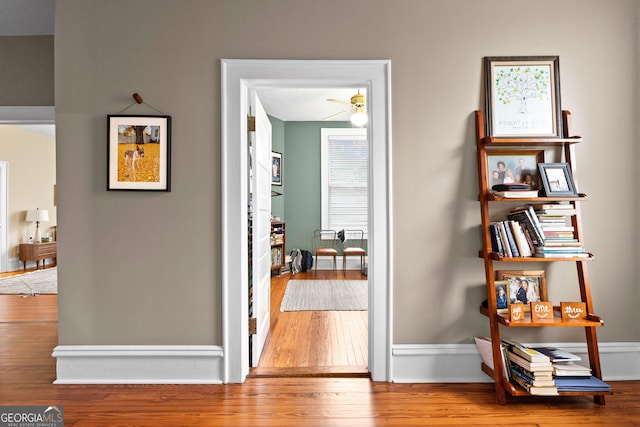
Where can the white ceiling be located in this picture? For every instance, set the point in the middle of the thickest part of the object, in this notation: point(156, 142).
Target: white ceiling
point(36, 17)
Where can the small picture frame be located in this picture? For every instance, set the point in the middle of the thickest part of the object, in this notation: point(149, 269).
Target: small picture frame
point(525, 286)
point(139, 153)
point(557, 180)
point(514, 166)
point(276, 168)
point(522, 96)
point(502, 296)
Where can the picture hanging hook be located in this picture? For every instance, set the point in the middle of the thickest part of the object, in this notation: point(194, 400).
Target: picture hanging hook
point(138, 98)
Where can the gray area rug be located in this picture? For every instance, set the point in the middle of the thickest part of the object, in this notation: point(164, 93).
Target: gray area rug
point(32, 283)
point(325, 295)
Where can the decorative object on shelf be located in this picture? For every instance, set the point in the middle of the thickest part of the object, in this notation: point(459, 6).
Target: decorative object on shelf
point(522, 95)
point(541, 310)
point(512, 166)
point(557, 180)
point(573, 310)
point(37, 216)
point(139, 153)
point(525, 286)
point(276, 168)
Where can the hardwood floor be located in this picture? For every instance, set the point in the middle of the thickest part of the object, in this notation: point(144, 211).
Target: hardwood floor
point(310, 343)
point(28, 334)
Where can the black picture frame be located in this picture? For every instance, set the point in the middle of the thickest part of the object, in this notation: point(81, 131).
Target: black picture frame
point(276, 168)
point(522, 96)
point(138, 153)
point(557, 180)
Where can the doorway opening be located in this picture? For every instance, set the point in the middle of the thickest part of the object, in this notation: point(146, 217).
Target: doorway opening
point(238, 77)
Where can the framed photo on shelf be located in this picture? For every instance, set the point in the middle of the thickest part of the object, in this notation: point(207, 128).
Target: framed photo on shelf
point(524, 286)
point(557, 180)
point(508, 166)
point(276, 168)
point(502, 296)
point(522, 96)
point(139, 153)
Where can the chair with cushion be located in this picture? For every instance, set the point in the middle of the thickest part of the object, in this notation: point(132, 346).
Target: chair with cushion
point(325, 244)
point(353, 245)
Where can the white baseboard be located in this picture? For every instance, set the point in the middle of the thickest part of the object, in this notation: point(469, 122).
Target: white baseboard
point(419, 363)
point(139, 364)
point(440, 363)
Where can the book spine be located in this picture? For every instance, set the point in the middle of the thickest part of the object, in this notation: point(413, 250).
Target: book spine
point(511, 239)
point(505, 241)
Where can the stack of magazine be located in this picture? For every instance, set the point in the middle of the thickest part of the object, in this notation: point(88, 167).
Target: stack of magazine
point(570, 375)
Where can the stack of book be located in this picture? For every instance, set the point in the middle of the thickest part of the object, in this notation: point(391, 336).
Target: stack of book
point(519, 235)
point(569, 375)
point(558, 234)
point(530, 369)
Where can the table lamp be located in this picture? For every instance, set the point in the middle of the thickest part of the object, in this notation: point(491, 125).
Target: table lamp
point(37, 216)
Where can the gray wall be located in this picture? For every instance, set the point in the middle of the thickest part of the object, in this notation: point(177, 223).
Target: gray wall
point(144, 268)
point(26, 74)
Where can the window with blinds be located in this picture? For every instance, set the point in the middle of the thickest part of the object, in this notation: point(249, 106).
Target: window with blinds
point(345, 162)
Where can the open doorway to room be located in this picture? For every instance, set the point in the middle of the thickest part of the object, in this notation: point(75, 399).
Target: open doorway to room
point(238, 78)
point(319, 319)
point(27, 187)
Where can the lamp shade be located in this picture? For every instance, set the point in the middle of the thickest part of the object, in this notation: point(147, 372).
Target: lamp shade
point(37, 215)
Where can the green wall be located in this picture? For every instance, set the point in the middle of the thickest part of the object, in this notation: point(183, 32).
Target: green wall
point(301, 175)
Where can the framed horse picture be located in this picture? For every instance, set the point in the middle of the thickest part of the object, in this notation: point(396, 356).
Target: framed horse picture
point(139, 153)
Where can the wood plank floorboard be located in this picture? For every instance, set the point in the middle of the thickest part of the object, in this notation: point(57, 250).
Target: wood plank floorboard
point(27, 371)
point(314, 343)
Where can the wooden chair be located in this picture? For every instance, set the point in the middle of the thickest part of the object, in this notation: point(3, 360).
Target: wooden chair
point(325, 244)
point(353, 245)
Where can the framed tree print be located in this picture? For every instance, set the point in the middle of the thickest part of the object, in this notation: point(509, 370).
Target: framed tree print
point(522, 96)
point(139, 153)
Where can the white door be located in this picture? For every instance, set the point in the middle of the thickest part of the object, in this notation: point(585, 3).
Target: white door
point(261, 192)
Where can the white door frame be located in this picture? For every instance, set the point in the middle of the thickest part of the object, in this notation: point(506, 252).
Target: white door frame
point(238, 75)
point(16, 116)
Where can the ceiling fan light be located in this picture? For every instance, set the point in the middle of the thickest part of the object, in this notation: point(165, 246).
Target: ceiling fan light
point(359, 119)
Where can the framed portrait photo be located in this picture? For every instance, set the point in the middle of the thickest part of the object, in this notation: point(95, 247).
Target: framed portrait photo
point(522, 96)
point(139, 153)
point(557, 180)
point(524, 286)
point(514, 166)
point(502, 296)
point(276, 168)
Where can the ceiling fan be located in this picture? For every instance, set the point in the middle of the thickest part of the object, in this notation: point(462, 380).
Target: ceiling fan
point(357, 106)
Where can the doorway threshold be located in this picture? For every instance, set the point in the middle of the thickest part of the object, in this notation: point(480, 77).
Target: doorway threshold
point(310, 372)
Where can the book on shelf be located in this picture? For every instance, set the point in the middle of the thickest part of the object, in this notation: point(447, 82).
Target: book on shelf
point(527, 353)
point(486, 353)
point(521, 241)
point(557, 355)
point(536, 391)
point(526, 216)
point(530, 366)
point(516, 194)
point(590, 383)
point(533, 380)
point(512, 241)
point(570, 369)
point(561, 255)
point(555, 209)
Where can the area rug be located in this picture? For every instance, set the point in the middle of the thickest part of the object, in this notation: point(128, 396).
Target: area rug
point(325, 295)
point(32, 283)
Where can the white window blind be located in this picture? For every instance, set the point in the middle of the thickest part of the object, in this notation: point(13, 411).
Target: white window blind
point(345, 160)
